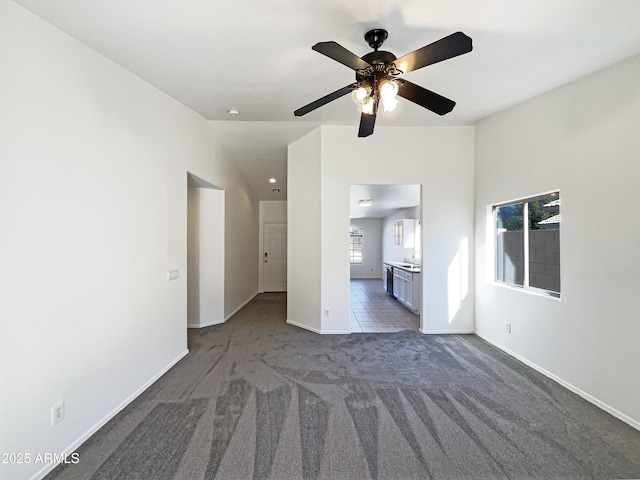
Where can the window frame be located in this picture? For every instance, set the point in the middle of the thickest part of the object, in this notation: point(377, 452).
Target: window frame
point(352, 245)
point(526, 287)
point(397, 232)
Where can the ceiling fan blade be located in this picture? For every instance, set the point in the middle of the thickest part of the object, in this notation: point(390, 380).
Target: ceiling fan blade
point(367, 122)
point(340, 54)
point(324, 100)
point(448, 47)
point(425, 98)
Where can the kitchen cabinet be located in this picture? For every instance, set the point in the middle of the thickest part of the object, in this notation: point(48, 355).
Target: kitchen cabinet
point(404, 232)
point(406, 288)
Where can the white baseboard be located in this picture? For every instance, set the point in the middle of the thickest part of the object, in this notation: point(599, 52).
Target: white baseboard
point(240, 307)
point(85, 436)
point(589, 398)
point(207, 324)
point(317, 330)
point(446, 332)
point(306, 327)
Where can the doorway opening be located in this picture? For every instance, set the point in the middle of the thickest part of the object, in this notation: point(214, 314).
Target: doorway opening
point(205, 253)
point(385, 255)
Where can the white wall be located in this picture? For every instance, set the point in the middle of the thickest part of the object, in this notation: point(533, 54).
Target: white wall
point(371, 266)
point(93, 202)
point(584, 139)
point(390, 251)
point(441, 159)
point(303, 232)
point(241, 230)
point(271, 211)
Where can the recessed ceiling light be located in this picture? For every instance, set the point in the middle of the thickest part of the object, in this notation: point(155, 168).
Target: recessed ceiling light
point(364, 203)
point(234, 112)
point(272, 180)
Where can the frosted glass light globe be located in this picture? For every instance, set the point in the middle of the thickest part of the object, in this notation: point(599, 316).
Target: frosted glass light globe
point(360, 95)
point(388, 90)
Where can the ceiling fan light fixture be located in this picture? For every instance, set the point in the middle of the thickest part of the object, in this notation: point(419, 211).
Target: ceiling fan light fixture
point(360, 95)
point(376, 74)
point(388, 90)
point(367, 107)
point(389, 104)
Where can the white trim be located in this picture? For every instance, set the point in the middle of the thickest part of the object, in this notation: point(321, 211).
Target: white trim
point(591, 399)
point(40, 474)
point(239, 308)
point(318, 331)
point(306, 327)
point(525, 243)
point(528, 198)
point(540, 292)
point(208, 324)
point(446, 332)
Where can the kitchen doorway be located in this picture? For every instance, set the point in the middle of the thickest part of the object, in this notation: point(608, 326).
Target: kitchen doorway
point(385, 237)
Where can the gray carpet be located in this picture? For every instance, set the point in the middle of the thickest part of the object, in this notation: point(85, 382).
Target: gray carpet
point(259, 399)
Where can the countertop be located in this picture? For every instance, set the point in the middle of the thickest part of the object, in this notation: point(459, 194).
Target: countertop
point(407, 267)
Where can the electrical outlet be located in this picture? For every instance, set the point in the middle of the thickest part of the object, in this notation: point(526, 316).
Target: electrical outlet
point(508, 328)
point(173, 274)
point(327, 312)
point(57, 413)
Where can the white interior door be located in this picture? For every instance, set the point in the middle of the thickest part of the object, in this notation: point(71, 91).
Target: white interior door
point(275, 257)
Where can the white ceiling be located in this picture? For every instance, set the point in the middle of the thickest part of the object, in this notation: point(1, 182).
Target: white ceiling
point(385, 199)
point(255, 56)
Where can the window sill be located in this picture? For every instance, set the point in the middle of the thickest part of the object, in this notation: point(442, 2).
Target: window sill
point(529, 290)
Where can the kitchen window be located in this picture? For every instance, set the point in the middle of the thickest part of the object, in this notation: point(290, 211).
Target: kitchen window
point(527, 241)
point(397, 233)
point(355, 245)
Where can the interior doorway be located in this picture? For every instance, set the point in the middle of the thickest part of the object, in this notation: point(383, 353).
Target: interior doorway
point(275, 257)
point(205, 253)
point(385, 232)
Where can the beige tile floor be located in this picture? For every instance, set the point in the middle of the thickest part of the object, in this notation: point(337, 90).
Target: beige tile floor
point(375, 311)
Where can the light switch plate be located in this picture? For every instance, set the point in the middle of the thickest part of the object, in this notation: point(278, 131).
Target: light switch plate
point(173, 274)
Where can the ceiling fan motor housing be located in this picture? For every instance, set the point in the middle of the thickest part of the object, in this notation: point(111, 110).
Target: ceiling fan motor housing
point(379, 61)
point(376, 37)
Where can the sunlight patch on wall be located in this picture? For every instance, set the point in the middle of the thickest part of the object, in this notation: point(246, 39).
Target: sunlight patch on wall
point(458, 279)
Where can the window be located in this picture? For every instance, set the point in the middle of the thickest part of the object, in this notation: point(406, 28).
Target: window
point(418, 240)
point(397, 233)
point(355, 245)
point(528, 252)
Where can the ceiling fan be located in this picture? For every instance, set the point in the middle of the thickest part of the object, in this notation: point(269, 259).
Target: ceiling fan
point(377, 76)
